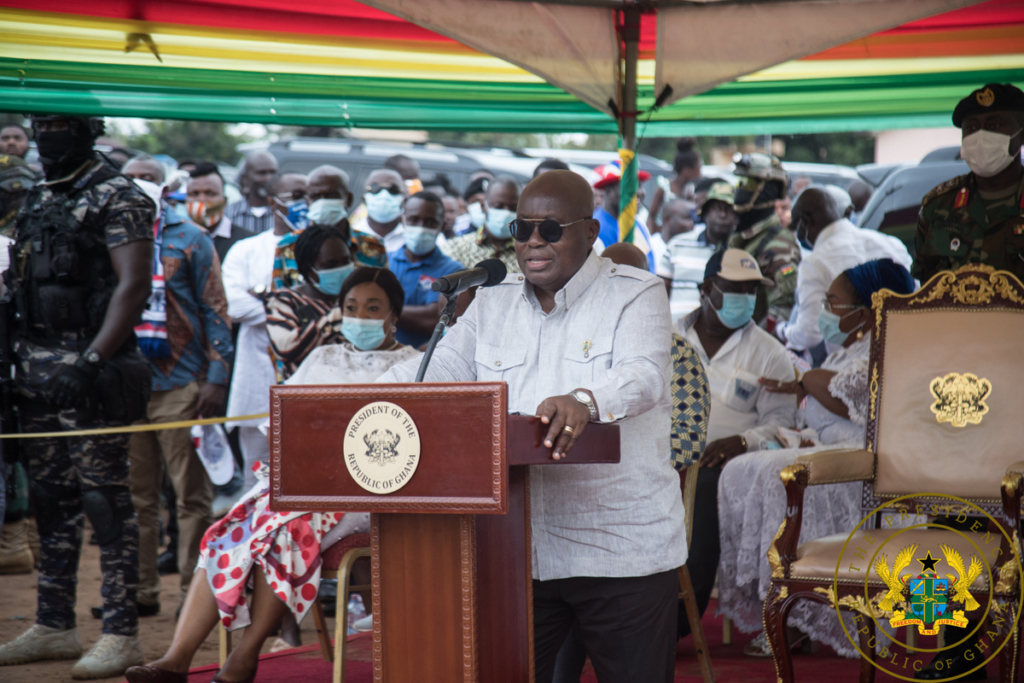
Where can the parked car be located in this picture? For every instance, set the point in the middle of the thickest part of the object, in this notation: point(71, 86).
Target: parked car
point(592, 158)
point(359, 157)
point(895, 204)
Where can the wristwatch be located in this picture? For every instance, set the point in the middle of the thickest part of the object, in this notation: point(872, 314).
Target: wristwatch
point(92, 357)
point(584, 398)
point(259, 289)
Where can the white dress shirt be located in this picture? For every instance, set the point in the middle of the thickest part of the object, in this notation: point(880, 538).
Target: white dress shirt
point(393, 241)
point(609, 332)
point(248, 263)
point(739, 404)
point(840, 246)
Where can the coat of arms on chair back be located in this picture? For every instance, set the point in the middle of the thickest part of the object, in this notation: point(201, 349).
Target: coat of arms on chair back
point(947, 386)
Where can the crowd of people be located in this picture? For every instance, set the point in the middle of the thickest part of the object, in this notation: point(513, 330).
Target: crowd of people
point(131, 300)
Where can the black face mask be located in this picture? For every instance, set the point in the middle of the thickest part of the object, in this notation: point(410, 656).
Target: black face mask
point(62, 151)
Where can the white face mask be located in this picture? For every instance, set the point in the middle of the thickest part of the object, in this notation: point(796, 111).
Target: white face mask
point(986, 153)
point(328, 211)
point(477, 217)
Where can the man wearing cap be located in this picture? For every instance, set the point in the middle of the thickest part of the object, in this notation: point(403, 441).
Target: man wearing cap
point(978, 217)
point(761, 234)
point(682, 265)
point(744, 416)
point(608, 213)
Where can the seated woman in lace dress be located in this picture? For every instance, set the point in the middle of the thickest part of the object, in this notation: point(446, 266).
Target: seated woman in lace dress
point(274, 558)
point(751, 497)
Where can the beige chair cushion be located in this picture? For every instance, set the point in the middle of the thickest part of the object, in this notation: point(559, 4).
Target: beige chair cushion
point(817, 559)
point(915, 452)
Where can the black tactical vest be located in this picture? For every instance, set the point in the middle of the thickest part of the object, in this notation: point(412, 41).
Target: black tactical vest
point(63, 278)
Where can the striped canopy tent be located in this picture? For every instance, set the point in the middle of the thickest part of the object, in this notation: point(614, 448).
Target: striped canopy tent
point(751, 67)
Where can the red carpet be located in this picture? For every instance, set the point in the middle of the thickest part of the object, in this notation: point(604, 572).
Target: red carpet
point(306, 665)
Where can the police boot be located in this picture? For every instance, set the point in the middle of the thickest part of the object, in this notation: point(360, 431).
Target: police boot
point(111, 656)
point(15, 554)
point(39, 643)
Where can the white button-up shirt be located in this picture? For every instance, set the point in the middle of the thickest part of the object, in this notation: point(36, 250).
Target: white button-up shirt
point(739, 404)
point(609, 332)
point(248, 263)
point(392, 241)
point(840, 246)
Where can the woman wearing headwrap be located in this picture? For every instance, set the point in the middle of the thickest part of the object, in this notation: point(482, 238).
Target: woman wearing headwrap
point(751, 497)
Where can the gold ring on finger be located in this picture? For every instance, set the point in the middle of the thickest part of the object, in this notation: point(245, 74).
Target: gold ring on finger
point(568, 429)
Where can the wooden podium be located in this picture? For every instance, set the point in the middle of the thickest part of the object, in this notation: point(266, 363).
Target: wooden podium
point(451, 562)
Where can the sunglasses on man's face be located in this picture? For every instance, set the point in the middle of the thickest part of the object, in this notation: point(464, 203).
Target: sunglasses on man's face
point(377, 187)
point(549, 229)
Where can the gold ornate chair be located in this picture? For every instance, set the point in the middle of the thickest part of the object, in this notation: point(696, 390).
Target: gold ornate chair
point(946, 407)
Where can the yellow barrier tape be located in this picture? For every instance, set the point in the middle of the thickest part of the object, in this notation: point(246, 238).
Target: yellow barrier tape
point(137, 428)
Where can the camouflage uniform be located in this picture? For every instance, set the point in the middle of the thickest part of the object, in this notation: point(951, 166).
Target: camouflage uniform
point(68, 473)
point(957, 226)
point(778, 255)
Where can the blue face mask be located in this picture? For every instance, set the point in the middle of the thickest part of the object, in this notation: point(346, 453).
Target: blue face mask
point(420, 240)
point(383, 207)
point(365, 334)
point(298, 214)
point(497, 223)
point(332, 279)
point(737, 309)
point(828, 325)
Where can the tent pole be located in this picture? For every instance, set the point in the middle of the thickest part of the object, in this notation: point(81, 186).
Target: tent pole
point(628, 107)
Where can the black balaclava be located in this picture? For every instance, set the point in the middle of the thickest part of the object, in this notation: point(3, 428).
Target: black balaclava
point(63, 151)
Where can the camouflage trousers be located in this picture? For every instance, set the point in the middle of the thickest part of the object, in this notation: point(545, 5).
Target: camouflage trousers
point(69, 475)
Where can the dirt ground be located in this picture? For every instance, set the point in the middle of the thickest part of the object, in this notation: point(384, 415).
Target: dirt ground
point(18, 607)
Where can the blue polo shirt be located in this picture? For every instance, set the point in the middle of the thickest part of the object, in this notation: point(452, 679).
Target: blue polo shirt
point(609, 235)
point(416, 279)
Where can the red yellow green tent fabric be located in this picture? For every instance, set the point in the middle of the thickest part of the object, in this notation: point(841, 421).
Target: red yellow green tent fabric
point(339, 62)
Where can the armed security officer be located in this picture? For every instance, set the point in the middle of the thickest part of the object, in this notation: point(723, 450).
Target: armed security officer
point(761, 234)
point(978, 217)
point(80, 277)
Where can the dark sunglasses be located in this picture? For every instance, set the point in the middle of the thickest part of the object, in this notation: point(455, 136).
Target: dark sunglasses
point(550, 230)
point(377, 187)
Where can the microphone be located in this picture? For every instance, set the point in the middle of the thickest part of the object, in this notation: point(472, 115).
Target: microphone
point(487, 273)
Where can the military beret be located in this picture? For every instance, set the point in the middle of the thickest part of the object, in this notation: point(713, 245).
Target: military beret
point(990, 97)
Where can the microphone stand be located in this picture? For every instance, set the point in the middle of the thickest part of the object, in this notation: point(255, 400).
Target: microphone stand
point(446, 315)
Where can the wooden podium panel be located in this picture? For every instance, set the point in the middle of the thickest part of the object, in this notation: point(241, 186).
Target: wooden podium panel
point(462, 466)
point(452, 589)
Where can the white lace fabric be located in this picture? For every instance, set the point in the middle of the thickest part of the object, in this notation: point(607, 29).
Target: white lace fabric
point(752, 505)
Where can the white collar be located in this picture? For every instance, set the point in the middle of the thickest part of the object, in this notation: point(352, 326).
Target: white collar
point(223, 228)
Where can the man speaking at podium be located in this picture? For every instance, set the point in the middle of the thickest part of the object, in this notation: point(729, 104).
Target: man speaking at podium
point(580, 339)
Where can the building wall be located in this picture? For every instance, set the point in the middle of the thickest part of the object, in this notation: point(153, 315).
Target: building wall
point(893, 146)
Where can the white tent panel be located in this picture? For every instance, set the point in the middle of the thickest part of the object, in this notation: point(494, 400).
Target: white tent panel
point(701, 46)
point(572, 47)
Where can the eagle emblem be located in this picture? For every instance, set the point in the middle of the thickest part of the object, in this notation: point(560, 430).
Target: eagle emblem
point(960, 398)
point(382, 446)
point(926, 598)
point(986, 97)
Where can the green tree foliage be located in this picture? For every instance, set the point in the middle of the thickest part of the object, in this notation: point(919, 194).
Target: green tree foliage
point(205, 140)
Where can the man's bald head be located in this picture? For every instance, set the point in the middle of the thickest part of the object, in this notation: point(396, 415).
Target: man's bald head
point(814, 210)
point(566, 198)
point(287, 182)
point(626, 254)
point(567, 188)
point(328, 173)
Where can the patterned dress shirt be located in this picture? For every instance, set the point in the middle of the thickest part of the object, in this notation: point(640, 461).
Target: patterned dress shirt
point(198, 326)
point(472, 248)
point(242, 215)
